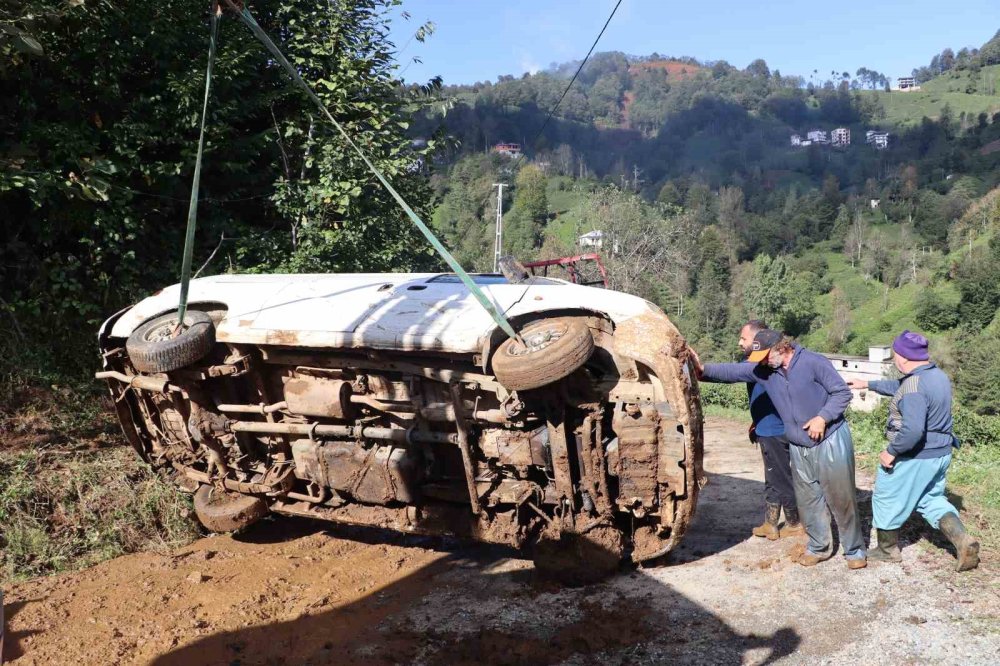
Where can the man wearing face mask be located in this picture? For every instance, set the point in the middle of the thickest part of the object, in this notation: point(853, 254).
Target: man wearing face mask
point(769, 432)
point(811, 399)
point(912, 468)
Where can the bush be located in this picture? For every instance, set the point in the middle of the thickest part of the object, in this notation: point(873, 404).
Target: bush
point(974, 430)
point(729, 396)
point(935, 314)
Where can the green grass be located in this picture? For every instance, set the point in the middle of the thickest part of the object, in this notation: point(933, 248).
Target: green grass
point(986, 80)
point(907, 109)
point(65, 510)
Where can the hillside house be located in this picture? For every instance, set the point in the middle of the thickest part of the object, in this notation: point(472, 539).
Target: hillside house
point(906, 83)
point(591, 239)
point(818, 136)
point(877, 365)
point(508, 149)
point(796, 140)
point(876, 139)
point(840, 137)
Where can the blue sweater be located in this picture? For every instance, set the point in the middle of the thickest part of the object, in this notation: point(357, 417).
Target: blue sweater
point(810, 387)
point(920, 424)
point(765, 417)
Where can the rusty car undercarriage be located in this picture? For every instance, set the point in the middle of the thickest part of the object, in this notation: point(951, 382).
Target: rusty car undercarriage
point(603, 463)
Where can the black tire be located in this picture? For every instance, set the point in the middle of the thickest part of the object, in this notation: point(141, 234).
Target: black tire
point(554, 349)
point(225, 511)
point(151, 348)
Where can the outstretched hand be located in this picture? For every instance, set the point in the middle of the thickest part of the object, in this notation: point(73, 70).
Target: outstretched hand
point(699, 367)
point(858, 384)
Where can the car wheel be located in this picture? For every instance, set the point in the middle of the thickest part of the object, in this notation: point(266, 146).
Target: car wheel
point(552, 349)
point(153, 348)
point(224, 511)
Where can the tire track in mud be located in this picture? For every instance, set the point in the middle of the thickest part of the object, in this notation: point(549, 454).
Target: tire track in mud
point(300, 592)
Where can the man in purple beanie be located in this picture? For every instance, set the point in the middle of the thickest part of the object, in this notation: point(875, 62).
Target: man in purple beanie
point(914, 464)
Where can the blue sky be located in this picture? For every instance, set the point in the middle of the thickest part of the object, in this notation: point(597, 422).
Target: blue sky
point(478, 40)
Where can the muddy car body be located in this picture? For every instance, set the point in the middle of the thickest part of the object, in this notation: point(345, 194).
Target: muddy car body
point(394, 400)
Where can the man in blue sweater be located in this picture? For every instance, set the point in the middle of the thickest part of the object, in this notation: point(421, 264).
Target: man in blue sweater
point(769, 432)
point(811, 399)
point(914, 464)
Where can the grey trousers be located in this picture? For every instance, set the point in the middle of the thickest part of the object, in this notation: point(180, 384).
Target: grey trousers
point(823, 477)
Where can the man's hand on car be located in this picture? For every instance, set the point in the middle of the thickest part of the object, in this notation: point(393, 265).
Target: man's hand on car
point(699, 367)
point(858, 384)
point(816, 427)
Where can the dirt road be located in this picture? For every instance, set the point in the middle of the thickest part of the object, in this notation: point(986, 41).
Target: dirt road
point(294, 592)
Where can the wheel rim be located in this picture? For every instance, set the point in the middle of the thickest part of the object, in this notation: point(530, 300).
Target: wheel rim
point(161, 332)
point(535, 340)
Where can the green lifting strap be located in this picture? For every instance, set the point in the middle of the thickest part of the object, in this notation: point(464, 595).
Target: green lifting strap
point(192, 220)
point(497, 316)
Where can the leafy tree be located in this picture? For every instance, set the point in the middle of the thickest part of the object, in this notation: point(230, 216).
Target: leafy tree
point(100, 131)
point(934, 313)
point(526, 222)
point(978, 376)
point(978, 280)
point(714, 281)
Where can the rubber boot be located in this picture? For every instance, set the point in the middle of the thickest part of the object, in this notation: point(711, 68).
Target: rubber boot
point(966, 547)
point(888, 547)
point(793, 525)
point(769, 528)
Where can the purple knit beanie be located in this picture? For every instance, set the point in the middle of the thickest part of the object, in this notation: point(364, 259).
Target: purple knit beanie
point(911, 346)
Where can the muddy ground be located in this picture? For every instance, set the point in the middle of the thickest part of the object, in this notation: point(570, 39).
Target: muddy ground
point(297, 592)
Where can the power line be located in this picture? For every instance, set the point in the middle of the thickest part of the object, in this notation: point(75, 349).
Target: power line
point(572, 80)
point(552, 111)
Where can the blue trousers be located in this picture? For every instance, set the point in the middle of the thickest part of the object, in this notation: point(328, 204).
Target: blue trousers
point(823, 477)
point(912, 483)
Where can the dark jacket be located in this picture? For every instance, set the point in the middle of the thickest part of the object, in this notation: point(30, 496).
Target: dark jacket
point(920, 424)
point(810, 387)
point(766, 422)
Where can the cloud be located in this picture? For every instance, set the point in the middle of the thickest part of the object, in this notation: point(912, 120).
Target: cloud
point(529, 64)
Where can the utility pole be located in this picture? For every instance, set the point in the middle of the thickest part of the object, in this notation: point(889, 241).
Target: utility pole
point(499, 237)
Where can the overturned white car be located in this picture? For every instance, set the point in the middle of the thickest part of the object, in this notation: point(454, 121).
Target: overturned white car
point(394, 400)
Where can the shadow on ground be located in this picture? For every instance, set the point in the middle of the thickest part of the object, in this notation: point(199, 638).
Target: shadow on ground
point(593, 625)
point(405, 621)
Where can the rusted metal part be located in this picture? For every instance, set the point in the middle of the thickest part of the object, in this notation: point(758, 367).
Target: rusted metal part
point(376, 475)
point(279, 486)
point(638, 437)
point(343, 431)
point(518, 448)
point(654, 342)
point(313, 396)
point(141, 382)
point(468, 464)
point(436, 371)
point(435, 518)
point(556, 422)
point(597, 470)
point(261, 409)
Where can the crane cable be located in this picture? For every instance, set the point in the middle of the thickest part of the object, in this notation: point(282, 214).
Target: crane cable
point(262, 36)
point(192, 219)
